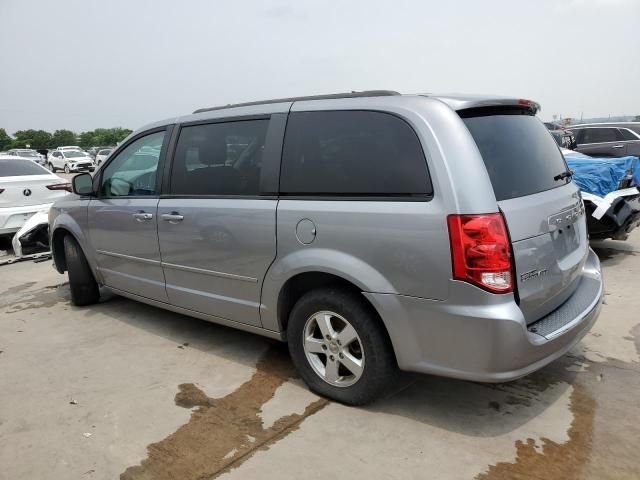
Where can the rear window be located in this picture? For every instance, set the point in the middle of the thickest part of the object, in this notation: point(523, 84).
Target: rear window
point(18, 168)
point(352, 153)
point(628, 135)
point(521, 156)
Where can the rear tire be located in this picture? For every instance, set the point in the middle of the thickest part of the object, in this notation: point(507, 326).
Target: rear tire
point(375, 364)
point(84, 288)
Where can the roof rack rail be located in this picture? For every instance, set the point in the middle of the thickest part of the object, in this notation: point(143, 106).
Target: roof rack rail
point(354, 94)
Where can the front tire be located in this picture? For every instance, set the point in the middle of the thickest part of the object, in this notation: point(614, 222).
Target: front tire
point(66, 169)
point(52, 168)
point(339, 347)
point(84, 288)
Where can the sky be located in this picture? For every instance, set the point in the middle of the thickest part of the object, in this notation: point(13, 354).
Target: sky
point(84, 64)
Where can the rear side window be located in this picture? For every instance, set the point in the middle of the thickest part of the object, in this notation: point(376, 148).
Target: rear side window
point(219, 159)
point(19, 168)
point(628, 135)
point(520, 155)
point(599, 135)
point(352, 153)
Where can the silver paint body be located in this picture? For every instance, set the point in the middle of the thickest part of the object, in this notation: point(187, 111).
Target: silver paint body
point(228, 259)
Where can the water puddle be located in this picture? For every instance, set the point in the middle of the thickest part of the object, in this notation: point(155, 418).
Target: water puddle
point(223, 433)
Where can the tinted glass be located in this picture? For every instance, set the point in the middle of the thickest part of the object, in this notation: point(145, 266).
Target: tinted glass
point(132, 172)
point(18, 168)
point(73, 154)
point(598, 135)
point(627, 135)
point(352, 153)
point(520, 155)
point(219, 159)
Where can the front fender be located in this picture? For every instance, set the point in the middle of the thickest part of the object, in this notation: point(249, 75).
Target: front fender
point(334, 262)
point(70, 215)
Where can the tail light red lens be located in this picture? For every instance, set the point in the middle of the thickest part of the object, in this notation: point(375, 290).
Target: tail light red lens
point(60, 186)
point(480, 251)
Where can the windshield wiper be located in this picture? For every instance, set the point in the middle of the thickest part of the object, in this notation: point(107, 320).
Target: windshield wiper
point(563, 175)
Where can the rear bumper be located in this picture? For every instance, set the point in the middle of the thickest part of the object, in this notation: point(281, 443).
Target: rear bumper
point(483, 337)
point(13, 218)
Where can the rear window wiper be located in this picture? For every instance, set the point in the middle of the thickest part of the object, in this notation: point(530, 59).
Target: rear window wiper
point(563, 175)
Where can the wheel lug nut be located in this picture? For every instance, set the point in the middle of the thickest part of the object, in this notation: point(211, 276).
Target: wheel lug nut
point(339, 343)
point(328, 337)
point(341, 355)
point(324, 347)
point(331, 358)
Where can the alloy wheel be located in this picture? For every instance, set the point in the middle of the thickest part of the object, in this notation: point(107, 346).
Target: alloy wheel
point(333, 349)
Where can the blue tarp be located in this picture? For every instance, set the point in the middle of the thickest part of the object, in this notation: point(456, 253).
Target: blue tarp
point(600, 176)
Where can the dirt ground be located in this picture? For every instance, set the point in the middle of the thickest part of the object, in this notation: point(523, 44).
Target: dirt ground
point(125, 390)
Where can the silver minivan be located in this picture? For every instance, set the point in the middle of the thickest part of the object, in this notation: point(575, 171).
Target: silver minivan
point(372, 231)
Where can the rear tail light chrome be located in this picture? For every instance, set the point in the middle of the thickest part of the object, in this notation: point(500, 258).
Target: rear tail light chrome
point(60, 186)
point(481, 252)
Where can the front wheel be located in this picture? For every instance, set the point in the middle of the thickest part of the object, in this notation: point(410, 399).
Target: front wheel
point(84, 288)
point(66, 169)
point(339, 346)
point(52, 168)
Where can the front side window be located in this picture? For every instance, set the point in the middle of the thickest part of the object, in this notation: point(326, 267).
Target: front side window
point(219, 159)
point(133, 171)
point(352, 153)
point(600, 135)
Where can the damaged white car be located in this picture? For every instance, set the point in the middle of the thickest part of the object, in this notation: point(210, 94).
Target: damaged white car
point(27, 190)
point(611, 194)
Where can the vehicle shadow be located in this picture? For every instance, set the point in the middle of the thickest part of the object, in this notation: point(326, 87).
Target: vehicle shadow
point(613, 252)
point(472, 409)
point(476, 409)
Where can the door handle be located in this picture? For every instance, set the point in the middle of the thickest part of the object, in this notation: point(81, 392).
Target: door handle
point(172, 217)
point(617, 146)
point(141, 216)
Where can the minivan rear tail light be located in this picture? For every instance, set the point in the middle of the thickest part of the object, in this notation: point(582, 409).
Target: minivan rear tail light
point(481, 252)
point(60, 186)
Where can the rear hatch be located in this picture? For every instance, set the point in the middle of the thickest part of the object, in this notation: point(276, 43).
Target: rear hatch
point(542, 208)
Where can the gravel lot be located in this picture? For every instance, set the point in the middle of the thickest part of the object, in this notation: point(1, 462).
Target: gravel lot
point(126, 390)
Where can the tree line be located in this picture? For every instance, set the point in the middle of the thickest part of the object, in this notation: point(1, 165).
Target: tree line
point(41, 139)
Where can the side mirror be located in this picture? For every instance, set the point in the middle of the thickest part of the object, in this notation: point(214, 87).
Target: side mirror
point(82, 184)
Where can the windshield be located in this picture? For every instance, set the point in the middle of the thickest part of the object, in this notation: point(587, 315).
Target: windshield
point(19, 168)
point(521, 156)
point(73, 154)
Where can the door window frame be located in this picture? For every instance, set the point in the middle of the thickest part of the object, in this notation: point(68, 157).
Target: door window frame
point(271, 155)
point(97, 179)
point(615, 129)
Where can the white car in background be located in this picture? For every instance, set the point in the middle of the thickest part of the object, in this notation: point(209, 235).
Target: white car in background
point(102, 155)
point(27, 153)
point(26, 188)
point(70, 161)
